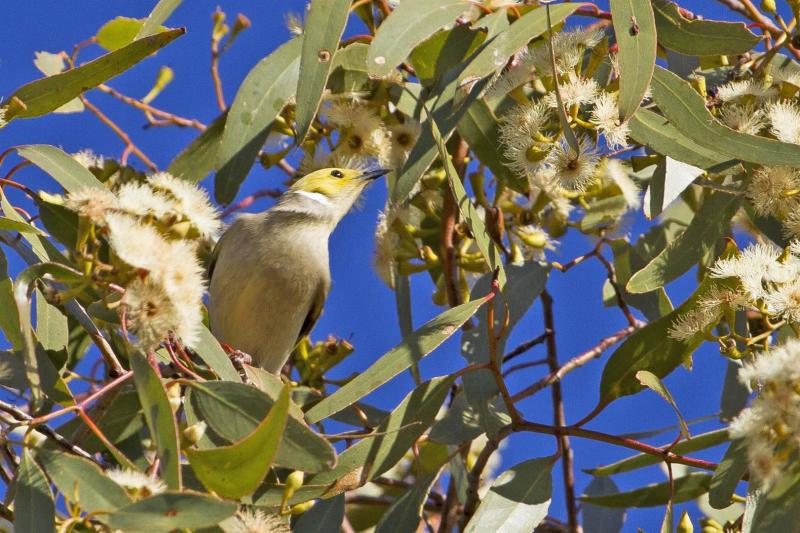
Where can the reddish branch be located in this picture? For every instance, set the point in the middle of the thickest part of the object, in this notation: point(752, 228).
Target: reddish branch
point(150, 111)
point(129, 146)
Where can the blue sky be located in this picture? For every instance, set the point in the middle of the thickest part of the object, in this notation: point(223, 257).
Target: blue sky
point(360, 307)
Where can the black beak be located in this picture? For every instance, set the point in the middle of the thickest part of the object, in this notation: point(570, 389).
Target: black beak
point(374, 174)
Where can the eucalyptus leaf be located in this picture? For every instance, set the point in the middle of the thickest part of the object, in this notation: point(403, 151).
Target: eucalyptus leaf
point(404, 515)
point(45, 95)
point(598, 519)
point(118, 32)
point(686, 488)
point(728, 474)
point(34, 506)
point(62, 167)
point(325, 517)
point(198, 159)
point(169, 511)
point(159, 15)
point(635, 29)
point(209, 350)
point(651, 381)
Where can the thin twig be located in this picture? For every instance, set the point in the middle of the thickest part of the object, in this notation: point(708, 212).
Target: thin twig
point(129, 146)
point(559, 417)
point(248, 201)
point(169, 118)
point(24, 418)
point(524, 347)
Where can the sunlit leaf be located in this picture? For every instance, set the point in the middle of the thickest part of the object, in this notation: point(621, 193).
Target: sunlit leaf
point(208, 349)
point(651, 381)
point(170, 511)
point(61, 166)
point(635, 28)
point(159, 14)
point(118, 32)
point(686, 488)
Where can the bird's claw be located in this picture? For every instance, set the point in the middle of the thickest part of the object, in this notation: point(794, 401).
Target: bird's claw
point(239, 359)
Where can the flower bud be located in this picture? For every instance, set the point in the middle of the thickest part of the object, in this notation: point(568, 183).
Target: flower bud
point(685, 524)
point(195, 432)
point(769, 6)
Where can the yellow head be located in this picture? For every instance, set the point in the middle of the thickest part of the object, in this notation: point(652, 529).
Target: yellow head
point(329, 193)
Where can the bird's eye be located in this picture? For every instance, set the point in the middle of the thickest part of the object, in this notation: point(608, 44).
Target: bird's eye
point(337, 174)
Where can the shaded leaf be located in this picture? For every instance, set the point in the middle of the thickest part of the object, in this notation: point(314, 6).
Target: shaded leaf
point(233, 410)
point(603, 212)
point(635, 29)
point(325, 517)
point(42, 96)
point(262, 96)
point(349, 72)
point(728, 474)
point(518, 500)
point(627, 260)
point(169, 511)
point(434, 57)
point(237, 470)
point(61, 222)
point(34, 507)
point(81, 480)
point(700, 37)
point(62, 167)
point(404, 515)
point(687, 111)
point(9, 315)
point(411, 22)
point(208, 349)
point(160, 420)
point(324, 24)
point(197, 160)
point(711, 224)
point(598, 519)
point(686, 488)
point(698, 442)
point(412, 349)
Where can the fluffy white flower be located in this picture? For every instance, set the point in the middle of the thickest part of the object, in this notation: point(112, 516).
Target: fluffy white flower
point(686, 326)
point(2, 117)
point(88, 159)
point(784, 300)
point(737, 89)
point(255, 521)
point(361, 131)
point(140, 200)
point(768, 190)
point(605, 116)
point(568, 47)
point(536, 241)
point(743, 118)
point(139, 245)
point(574, 171)
point(403, 137)
point(784, 118)
point(578, 91)
point(136, 483)
point(191, 202)
point(519, 129)
point(387, 242)
point(791, 225)
point(786, 75)
point(756, 267)
point(94, 203)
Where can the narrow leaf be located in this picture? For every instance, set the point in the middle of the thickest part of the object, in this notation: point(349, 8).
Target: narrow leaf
point(411, 22)
point(686, 488)
point(64, 169)
point(700, 37)
point(711, 224)
point(728, 474)
point(170, 511)
point(651, 381)
point(197, 160)
point(404, 515)
point(324, 25)
point(157, 17)
point(208, 349)
point(42, 96)
point(34, 507)
point(598, 519)
point(160, 420)
point(518, 499)
point(262, 96)
point(325, 517)
point(7, 224)
point(412, 349)
point(635, 28)
point(237, 470)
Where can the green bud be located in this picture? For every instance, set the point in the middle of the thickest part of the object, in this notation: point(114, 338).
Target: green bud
point(534, 154)
point(195, 432)
point(769, 6)
point(685, 524)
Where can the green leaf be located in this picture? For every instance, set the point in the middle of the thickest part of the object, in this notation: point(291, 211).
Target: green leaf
point(23, 290)
point(118, 32)
point(598, 519)
point(700, 37)
point(656, 132)
point(477, 227)
point(82, 481)
point(412, 349)
point(697, 443)
point(404, 515)
point(734, 393)
point(728, 474)
point(61, 222)
point(324, 24)
point(635, 28)
point(518, 499)
point(373, 456)
point(349, 74)
point(711, 223)
point(170, 511)
point(41, 247)
point(237, 470)
point(651, 381)
point(42, 96)
point(208, 349)
point(687, 111)
point(160, 420)
point(459, 424)
point(197, 160)
point(34, 507)
point(9, 315)
point(233, 410)
point(669, 180)
point(51, 325)
point(49, 64)
point(157, 17)
point(411, 22)
point(603, 212)
point(651, 348)
point(496, 52)
point(686, 488)
point(262, 96)
point(479, 127)
point(325, 517)
point(64, 169)
point(777, 510)
point(627, 260)
point(434, 57)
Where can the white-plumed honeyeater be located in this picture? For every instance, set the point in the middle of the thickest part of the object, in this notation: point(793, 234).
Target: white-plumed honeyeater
point(270, 274)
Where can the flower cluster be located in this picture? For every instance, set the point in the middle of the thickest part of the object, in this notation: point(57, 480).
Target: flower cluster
point(770, 427)
point(153, 229)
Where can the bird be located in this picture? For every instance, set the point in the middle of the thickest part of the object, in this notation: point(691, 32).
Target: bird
point(269, 272)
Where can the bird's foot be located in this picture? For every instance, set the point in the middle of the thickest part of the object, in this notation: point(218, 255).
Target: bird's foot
point(239, 359)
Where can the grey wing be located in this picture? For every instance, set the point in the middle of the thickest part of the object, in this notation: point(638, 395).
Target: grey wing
point(315, 310)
